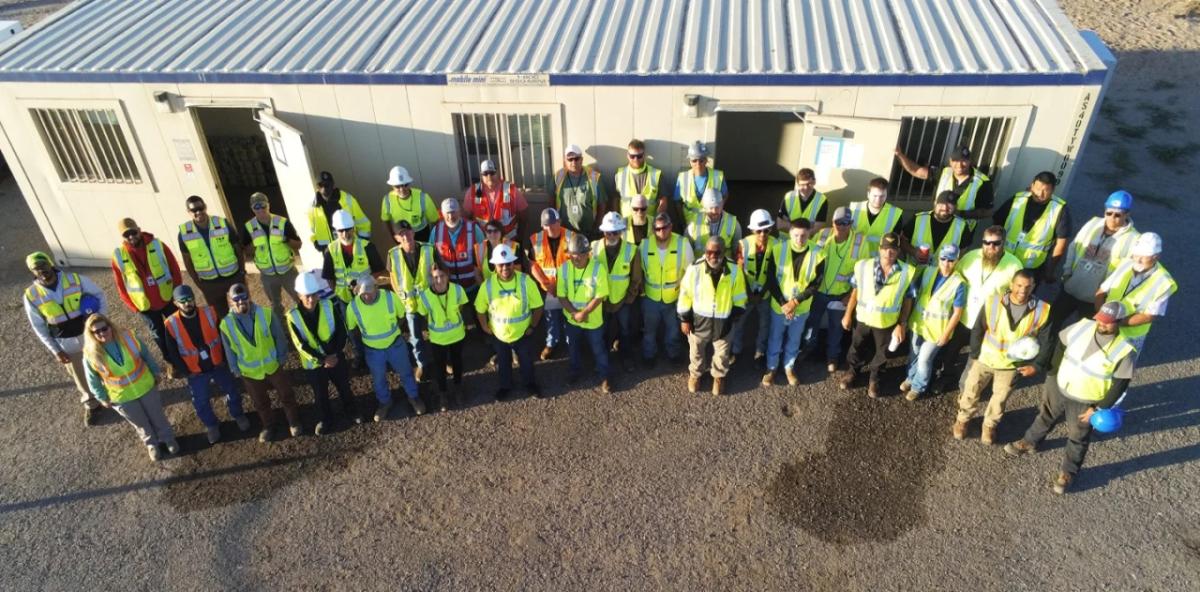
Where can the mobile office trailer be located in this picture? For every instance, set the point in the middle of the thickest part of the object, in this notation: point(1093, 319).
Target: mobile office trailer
point(115, 108)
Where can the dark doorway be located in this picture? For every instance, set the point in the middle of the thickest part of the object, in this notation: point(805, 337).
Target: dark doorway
point(760, 153)
point(241, 159)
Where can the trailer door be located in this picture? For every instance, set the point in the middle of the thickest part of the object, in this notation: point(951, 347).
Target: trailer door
point(294, 170)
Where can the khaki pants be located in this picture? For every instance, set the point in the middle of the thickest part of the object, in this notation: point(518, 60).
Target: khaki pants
point(275, 286)
point(698, 362)
point(75, 371)
point(978, 378)
point(260, 396)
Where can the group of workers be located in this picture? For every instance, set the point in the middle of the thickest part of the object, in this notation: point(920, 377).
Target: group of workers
point(602, 269)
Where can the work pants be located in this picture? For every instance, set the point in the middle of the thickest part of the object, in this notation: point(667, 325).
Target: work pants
point(618, 327)
point(275, 286)
point(978, 377)
point(762, 309)
point(504, 356)
point(319, 378)
point(1054, 407)
point(819, 316)
point(783, 348)
point(577, 338)
point(394, 356)
point(73, 347)
point(655, 313)
point(355, 336)
point(156, 321)
point(555, 330)
point(200, 385)
point(920, 363)
point(146, 415)
point(419, 347)
point(864, 337)
point(698, 363)
point(216, 292)
point(443, 354)
point(259, 391)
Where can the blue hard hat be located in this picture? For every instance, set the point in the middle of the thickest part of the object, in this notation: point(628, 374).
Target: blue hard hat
point(1119, 199)
point(1107, 421)
point(183, 293)
point(89, 304)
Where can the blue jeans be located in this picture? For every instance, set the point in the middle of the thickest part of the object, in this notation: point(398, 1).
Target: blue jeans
point(920, 362)
point(653, 314)
point(785, 339)
point(355, 336)
point(504, 355)
point(555, 333)
point(396, 356)
point(619, 324)
point(832, 319)
point(420, 347)
point(763, 307)
point(576, 336)
point(199, 385)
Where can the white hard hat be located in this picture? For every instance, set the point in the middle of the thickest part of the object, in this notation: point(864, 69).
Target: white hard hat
point(449, 205)
point(573, 149)
point(760, 220)
point(342, 220)
point(697, 150)
point(1024, 349)
point(712, 198)
point(502, 254)
point(612, 222)
point(399, 176)
point(307, 283)
point(1148, 244)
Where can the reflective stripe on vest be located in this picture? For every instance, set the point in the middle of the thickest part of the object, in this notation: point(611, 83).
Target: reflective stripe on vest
point(299, 332)
point(359, 265)
point(265, 360)
point(700, 228)
point(719, 300)
point(406, 285)
point(542, 257)
point(923, 232)
point(160, 274)
point(658, 288)
point(209, 331)
point(1090, 236)
point(791, 285)
point(791, 204)
point(370, 339)
point(212, 258)
point(691, 198)
point(1157, 286)
point(419, 222)
point(61, 307)
point(872, 231)
point(1088, 379)
point(437, 324)
point(966, 199)
point(837, 276)
point(625, 179)
point(272, 253)
point(131, 378)
point(458, 254)
point(322, 232)
point(999, 333)
point(525, 312)
point(563, 271)
point(756, 278)
point(878, 303)
point(933, 308)
point(504, 211)
point(618, 271)
point(1031, 247)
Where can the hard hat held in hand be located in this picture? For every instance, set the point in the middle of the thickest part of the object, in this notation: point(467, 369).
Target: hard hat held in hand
point(1024, 349)
point(342, 220)
point(1107, 421)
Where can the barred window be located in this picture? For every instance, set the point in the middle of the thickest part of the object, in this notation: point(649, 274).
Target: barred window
point(518, 144)
point(929, 140)
point(87, 145)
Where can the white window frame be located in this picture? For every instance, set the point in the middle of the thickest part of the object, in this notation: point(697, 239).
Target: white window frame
point(136, 155)
point(553, 110)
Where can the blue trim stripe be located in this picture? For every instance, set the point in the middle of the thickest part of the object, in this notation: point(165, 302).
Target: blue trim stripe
point(1092, 77)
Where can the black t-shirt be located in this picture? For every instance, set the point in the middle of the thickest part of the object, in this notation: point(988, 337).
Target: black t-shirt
point(1033, 211)
point(822, 213)
point(373, 260)
point(937, 230)
point(610, 253)
point(984, 198)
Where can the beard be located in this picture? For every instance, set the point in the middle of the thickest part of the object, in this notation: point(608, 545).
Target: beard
point(993, 258)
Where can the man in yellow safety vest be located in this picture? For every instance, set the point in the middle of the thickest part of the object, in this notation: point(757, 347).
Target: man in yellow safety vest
point(376, 315)
point(665, 258)
point(620, 260)
point(793, 273)
point(410, 268)
point(328, 200)
point(714, 221)
point(210, 250)
point(346, 261)
point(583, 290)
point(509, 307)
point(753, 255)
point(803, 202)
point(1143, 285)
point(941, 296)
point(256, 349)
point(638, 179)
point(927, 233)
point(881, 296)
point(1037, 226)
point(841, 248)
point(408, 204)
point(1097, 250)
point(874, 217)
point(146, 272)
point(691, 184)
point(712, 295)
point(273, 243)
point(547, 252)
point(972, 187)
point(579, 193)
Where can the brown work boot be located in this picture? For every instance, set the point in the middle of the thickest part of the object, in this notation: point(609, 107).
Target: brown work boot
point(792, 379)
point(718, 386)
point(988, 434)
point(959, 430)
point(1018, 448)
point(605, 387)
point(847, 380)
point(768, 379)
point(546, 353)
point(693, 383)
point(1062, 483)
point(873, 389)
point(419, 374)
point(831, 366)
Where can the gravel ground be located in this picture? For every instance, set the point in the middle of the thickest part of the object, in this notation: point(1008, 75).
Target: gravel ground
point(650, 488)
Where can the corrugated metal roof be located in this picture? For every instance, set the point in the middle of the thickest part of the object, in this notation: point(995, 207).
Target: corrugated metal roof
point(578, 42)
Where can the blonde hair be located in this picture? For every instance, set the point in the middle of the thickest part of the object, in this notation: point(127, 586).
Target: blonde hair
point(93, 350)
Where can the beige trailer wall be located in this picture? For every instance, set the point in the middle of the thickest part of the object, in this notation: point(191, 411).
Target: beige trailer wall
point(358, 132)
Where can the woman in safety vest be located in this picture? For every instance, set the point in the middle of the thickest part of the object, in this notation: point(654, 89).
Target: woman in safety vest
point(441, 303)
point(120, 372)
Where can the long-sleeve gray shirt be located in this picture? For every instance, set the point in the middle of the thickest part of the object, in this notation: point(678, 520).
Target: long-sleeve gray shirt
point(42, 329)
point(245, 324)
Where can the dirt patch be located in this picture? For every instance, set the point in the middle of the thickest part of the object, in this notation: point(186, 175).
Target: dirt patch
point(870, 483)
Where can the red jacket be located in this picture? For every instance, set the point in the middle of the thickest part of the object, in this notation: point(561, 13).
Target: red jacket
point(139, 261)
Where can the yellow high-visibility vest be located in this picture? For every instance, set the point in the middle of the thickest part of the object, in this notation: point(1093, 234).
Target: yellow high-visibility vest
point(619, 270)
point(214, 258)
point(580, 287)
point(61, 308)
point(378, 322)
point(999, 334)
point(360, 265)
point(698, 295)
point(1090, 235)
point(690, 198)
point(301, 335)
point(966, 199)
point(839, 260)
point(699, 230)
point(880, 306)
point(131, 378)
point(395, 209)
point(508, 305)
point(257, 359)
point(886, 221)
point(933, 309)
point(1159, 285)
point(795, 211)
point(323, 233)
point(406, 285)
point(923, 234)
point(792, 284)
point(272, 253)
point(443, 313)
point(160, 274)
point(982, 284)
point(663, 273)
point(626, 182)
point(756, 274)
point(1088, 378)
point(1034, 246)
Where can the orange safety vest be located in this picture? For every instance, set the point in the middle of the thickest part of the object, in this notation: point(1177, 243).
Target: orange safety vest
point(458, 255)
point(208, 331)
point(503, 209)
point(543, 258)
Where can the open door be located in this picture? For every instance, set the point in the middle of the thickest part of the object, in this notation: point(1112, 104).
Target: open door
point(293, 168)
point(847, 152)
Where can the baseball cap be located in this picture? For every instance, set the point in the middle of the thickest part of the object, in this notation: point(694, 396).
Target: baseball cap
point(487, 166)
point(126, 224)
point(889, 241)
point(573, 149)
point(38, 257)
point(1110, 313)
point(259, 197)
point(960, 152)
point(949, 252)
point(549, 217)
point(842, 214)
point(238, 289)
point(946, 197)
point(326, 179)
point(183, 293)
point(449, 205)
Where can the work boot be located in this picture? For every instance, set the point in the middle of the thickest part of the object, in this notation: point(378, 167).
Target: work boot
point(89, 416)
point(320, 429)
point(831, 366)
point(873, 388)
point(1062, 483)
point(243, 422)
point(295, 430)
point(419, 374)
point(381, 413)
point(693, 383)
point(173, 447)
point(792, 379)
point(847, 380)
point(547, 352)
point(768, 379)
point(155, 453)
point(959, 430)
point(912, 395)
point(266, 435)
point(988, 434)
point(605, 387)
point(718, 386)
point(491, 362)
point(904, 386)
point(418, 405)
point(214, 434)
point(1018, 448)
point(172, 373)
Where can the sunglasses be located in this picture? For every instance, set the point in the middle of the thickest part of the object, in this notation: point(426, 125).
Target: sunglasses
point(612, 234)
point(763, 231)
point(661, 228)
point(638, 156)
point(197, 209)
point(100, 330)
point(696, 160)
point(404, 186)
point(947, 259)
point(639, 209)
point(717, 253)
point(488, 173)
point(131, 234)
point(841, 222)
point(239, 299)
point(993, 243)
point(575, 159)
point(257, 207)
point(1115, 214)
point(492, 230)
point(340, 230)
point(185, 300)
